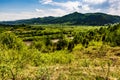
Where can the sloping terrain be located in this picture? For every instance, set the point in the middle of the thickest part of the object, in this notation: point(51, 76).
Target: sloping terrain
point(73, 18)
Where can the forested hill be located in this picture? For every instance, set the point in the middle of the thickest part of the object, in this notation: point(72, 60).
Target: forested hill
point(73, 18)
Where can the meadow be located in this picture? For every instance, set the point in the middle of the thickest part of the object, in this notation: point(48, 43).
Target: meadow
point(59, 52)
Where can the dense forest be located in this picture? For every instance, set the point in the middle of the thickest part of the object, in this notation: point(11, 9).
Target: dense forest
point(59, 52)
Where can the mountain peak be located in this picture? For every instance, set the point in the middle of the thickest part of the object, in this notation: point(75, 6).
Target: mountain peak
point(76, 12)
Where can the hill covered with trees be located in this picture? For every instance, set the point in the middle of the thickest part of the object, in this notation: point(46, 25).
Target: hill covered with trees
point(73, 19)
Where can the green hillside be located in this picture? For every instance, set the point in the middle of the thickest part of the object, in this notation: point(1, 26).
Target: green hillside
point(73, 19)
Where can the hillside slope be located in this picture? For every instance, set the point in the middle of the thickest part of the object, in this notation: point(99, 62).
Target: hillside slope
point(73, 18)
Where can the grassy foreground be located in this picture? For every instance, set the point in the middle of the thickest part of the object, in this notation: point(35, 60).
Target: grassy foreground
point(90, 57)
point(81, 64)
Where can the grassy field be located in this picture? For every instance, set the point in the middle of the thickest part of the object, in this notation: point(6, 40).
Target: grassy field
point(59, 52)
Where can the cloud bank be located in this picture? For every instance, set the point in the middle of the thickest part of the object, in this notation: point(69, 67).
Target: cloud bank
point(86, 6)
point(63, 7)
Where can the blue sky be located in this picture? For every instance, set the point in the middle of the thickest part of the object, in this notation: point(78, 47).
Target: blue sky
point(24, 9)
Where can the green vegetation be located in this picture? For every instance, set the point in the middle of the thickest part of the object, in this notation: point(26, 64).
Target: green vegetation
point(59, 52)
point(72, 19)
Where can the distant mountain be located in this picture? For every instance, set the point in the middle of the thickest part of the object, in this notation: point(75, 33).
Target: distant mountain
point(73, 18)
point(44, 20)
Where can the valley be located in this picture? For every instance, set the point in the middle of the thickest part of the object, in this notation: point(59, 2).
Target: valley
point(59, 52)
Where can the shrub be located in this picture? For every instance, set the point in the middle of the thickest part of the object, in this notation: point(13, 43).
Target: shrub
point(11, 41)
point(48, 41)
point(70, 46)
point(38, 45)
point(78, 39)
point(61, 44)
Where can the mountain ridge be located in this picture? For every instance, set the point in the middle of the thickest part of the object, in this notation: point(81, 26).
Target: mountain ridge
point(73, 19)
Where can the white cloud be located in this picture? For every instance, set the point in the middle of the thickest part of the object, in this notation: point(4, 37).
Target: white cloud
point(39, 10)
point(114, 7)
point(45, 1)
point(58, 12)
point(86, 7)
point(16, 16)
point(95, 1)
point(51, 12)
point(113, 11)
point(82, 6)
point(35, 14)
point(114, 4)
point(69, 5)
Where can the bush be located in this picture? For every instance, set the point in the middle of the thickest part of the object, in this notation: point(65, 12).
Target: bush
point(58, 57)
point(38, 45)
point(11, 41)
point(78, 39)
point(48, 41)
point(70, 46)
point(61, 44)
point(85, 42)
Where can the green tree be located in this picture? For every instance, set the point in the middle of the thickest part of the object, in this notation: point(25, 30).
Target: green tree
point(85, 42)
point(48, 41)
point(62, 43)
point(78, 38)
point(70, 46)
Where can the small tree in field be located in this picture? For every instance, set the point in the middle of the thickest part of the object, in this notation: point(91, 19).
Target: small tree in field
point(48, 41)
point(61, 44)
point(70, 46)
point(78, 39)
point(85, 42)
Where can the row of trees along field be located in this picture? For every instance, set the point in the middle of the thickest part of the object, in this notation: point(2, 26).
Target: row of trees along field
point(108, 35)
